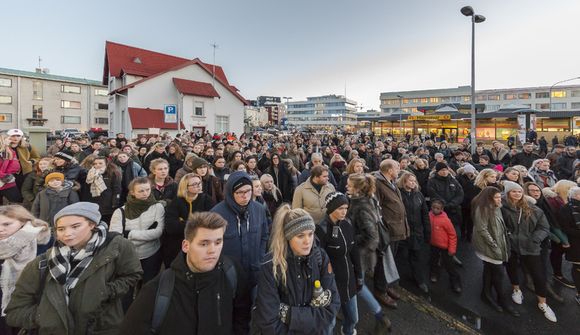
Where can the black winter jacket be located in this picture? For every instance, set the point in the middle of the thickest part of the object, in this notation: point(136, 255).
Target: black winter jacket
point(446, 189)
point(201, 303)
point(418, 218)
point(338, 242)
point(525, 233)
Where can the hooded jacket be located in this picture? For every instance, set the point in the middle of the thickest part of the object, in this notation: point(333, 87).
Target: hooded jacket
point(525, 233)
point(443, 234)
point(490, 236)
point(446, 189)
point(247, 233)
point(49, 201)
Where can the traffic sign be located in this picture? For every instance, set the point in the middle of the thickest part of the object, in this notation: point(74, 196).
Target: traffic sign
point(170, 113)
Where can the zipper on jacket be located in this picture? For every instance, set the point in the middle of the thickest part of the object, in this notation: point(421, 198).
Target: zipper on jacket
point(219, 312)
point(346, 261)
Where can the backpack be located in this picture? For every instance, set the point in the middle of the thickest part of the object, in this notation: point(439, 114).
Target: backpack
point(165, 291)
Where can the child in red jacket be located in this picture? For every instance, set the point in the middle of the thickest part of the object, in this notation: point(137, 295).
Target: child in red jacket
point(443, 245)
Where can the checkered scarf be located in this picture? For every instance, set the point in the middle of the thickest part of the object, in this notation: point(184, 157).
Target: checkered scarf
point(95, 179)
point(60, 258)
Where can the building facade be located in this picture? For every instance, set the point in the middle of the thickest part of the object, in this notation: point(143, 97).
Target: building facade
point(39, 99)
point(143, 84)
point(327, 112)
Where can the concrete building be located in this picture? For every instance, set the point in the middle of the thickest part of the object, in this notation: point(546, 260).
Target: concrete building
point(324, 112)
point(32, 100)
point(142, 83)
point(256, 116)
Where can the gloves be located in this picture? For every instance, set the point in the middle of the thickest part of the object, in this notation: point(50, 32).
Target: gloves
point(322, 300)
point(284, 313)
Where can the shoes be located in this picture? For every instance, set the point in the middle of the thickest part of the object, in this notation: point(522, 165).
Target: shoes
point(564, 281)
point(386, 300)
point(511, 310)
point(433, 278)
point(488, 300)
point(457, 261)
point(518, 297)
point(424, 288)
point(548, 312)
point(553, 294)
point(393, 294)
point(382, 325)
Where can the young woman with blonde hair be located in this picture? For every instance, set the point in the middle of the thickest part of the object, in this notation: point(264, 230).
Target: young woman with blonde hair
point(271, 194)
point(286, 297)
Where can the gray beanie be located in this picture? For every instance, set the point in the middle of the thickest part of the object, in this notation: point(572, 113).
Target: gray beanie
point(88, 210)
point(468, 168)
point(298, 225)
point(509, 186)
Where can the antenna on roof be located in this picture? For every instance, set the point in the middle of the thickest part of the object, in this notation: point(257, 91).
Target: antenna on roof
point(214, 46)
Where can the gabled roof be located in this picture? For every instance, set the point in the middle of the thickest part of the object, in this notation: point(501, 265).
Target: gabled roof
point(145, 118)
point(120, 58)
point(180, 66)
point(196, 88)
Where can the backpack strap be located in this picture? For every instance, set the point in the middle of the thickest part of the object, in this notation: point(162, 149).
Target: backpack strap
point(123, 222)
point(231, 274)
point(162, 299)
point(43, 269)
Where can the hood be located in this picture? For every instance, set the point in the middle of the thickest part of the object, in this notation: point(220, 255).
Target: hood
point(229, 189)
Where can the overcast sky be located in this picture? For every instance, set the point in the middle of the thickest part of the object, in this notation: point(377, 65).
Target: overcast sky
point(303, 48)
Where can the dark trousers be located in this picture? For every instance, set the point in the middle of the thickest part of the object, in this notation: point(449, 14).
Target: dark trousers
point(533, 264)
point(576, 276)
point(467, 223)
point(493, 279)
point(151, 266)
point(379, 279)
point(417, 258)
point(447, 262)
point(556, 258)
point(12, 194)
point(457, 220)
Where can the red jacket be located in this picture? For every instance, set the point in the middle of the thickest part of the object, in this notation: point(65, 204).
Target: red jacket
point(9, 167)
point(443, 235)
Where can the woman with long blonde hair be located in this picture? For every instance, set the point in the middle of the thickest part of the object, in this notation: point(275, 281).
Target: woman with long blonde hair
point(283, 302)
point(271, 194)
point(485, 178)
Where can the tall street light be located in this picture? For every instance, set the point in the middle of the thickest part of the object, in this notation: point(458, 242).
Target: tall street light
point(475, 18)
point(400, 115)
point(558, 83)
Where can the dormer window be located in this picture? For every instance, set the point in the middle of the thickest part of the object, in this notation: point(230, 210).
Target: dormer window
point(137, 60)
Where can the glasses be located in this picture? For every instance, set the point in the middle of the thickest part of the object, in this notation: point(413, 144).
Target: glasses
point(240, 193)
point(194, 185)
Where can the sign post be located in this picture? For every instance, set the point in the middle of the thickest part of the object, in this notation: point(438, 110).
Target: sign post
point(170, 113)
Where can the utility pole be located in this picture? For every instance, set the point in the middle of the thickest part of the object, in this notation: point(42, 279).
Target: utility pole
point(214, 46)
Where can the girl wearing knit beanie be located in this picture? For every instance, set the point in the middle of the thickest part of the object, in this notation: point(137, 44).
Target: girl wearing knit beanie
point(286, 297)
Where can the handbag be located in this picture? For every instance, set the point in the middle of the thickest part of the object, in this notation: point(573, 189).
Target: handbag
point(384, 234)
point(42, 266)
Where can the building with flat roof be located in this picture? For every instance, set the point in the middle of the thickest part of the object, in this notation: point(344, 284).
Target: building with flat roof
point(40, 99)
point(323, 112)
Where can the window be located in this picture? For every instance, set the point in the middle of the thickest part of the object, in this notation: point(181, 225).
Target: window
point(101, 106)
point(5, 100)
point(575, 105)
point(466, 98)
point(481, 97)
point(558, 94)
point(101, 92)
point(510, 96)
point(37, 90)
point(542, 95)
point(70, 89)
point(424, 100)
point(559, 105)
point(573, 94)
point(71, 119)
point(198, 108)
point(70, 104)
point(525, 96)
point(445, 99)
point(5, 82)
point(37, 112)
point(102, 120)
point(433, 100)
point(493, 97)
point(6, 117)
point(492, 108)
point(222, 124)
point(542, 106)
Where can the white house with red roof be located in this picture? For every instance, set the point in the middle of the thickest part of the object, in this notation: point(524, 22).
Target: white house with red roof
point(142, 82)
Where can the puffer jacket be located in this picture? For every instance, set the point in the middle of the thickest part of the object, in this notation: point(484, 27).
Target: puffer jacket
point(364, 214)
point(417, 217)
point(443, 235)
point(312, 201)
point(49, 201)
point(246, 236)
point(300, 277)
point(94, 305)
point(525, 233)
point(490, 236)
point(393, 209)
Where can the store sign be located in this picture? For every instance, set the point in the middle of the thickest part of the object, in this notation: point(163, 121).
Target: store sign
point(443, 117)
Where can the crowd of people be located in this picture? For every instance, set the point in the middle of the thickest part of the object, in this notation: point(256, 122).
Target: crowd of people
point(267, 234)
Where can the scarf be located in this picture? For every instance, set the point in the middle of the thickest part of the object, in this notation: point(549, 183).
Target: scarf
point(135, 207)
point(16, 251)
point(95, 179)
point(59, 259)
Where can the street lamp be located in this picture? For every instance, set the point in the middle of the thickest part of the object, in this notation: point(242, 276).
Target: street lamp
point(400, 115)
point(475, 18)
point(285, 112)
point(558, 83)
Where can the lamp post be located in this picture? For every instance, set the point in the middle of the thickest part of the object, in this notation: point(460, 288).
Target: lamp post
point(285, 112)
point(475, 18)
point(558, 83)
point(400, 115)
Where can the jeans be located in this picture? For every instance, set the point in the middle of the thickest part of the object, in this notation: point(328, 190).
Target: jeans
point(350, 313)
point(366, 295)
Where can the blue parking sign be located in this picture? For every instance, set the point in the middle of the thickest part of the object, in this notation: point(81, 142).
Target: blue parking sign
point(170, 113)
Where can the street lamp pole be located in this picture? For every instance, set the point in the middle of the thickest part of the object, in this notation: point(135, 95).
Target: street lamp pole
point(468, 11)
point(400, 115)
point(558, 83)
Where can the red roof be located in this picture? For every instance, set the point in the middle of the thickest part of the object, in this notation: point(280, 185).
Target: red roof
point(120, 58)
point(144, 118)
point(196, 88)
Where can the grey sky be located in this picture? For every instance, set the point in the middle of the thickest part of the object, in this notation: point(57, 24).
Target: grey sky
point(303, 48)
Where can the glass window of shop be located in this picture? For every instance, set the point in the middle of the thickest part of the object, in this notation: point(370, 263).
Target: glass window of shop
point(554, 125)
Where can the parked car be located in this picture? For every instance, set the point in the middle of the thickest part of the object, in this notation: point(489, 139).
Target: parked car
point(95, 133)
point(71, 133)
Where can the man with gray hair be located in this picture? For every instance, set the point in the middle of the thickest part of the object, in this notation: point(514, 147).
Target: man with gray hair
point(315, 160)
